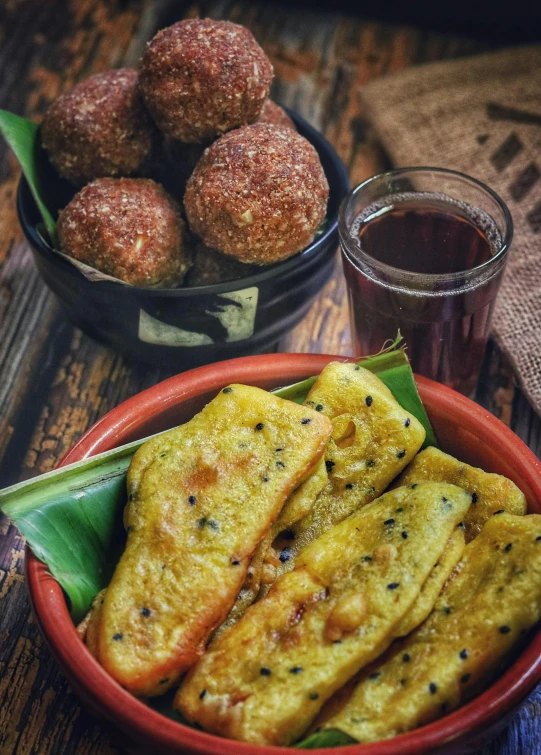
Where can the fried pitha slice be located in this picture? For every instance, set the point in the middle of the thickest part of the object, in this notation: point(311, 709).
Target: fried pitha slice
point(490, 492)
point(434, 584)
point(265, 679)
point(373, 439)
point(201, 498)
point(262, 569)
point(88, 628)
point(476, 623)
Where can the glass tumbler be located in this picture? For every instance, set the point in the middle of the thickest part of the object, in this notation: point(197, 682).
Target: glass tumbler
point(424, 250)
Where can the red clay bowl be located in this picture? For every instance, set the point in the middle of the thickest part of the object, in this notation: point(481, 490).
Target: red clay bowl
point(463, 428)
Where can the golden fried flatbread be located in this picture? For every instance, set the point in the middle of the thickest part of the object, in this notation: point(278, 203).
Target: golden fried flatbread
point(373, 439)
point(266, 677)
point(478, 620)
point(201, 499)
point(490, 492)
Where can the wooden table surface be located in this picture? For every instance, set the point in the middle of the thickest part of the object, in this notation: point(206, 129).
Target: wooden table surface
point(55, 382)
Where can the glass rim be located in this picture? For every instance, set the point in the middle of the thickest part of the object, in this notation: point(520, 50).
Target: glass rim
point(347, 240)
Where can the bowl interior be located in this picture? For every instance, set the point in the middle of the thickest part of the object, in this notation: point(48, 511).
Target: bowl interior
point(463, 428)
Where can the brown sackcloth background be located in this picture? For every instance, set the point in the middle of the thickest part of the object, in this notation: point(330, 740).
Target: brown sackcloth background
point(481, 116)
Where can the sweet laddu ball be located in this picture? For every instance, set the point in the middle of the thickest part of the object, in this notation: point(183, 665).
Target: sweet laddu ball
point(129, 228)
point(100, 128)
point(211, 267)
point(258, 194)
point(275, 115)
point(200, 78)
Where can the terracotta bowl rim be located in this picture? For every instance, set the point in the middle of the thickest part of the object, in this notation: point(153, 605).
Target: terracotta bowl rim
point(118, 706)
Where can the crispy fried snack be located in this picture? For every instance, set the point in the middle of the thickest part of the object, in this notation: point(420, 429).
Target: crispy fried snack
point(263, 567)
point(490, 492)
point(455, 654)
point(88, 628)
point(372, 441)
point(265, 679)
point(201, 498)
point(434, 585)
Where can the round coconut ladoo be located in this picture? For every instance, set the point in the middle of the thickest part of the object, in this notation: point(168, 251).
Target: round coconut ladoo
point(100, 128)
point(200, 78)
point(129, 228)
point(211, 266)
point(258, 194)
point(275, 115)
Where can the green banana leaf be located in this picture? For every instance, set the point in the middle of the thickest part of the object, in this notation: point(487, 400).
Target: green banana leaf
point(325, 738)
point(22, 135)
point(72, 517)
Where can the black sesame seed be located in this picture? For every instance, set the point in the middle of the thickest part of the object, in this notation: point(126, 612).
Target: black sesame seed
point(164, 681)
point(500, 511)
point(201, 523)
point(412, 487)
point(508, 547)
point(131, 496)
point(404, 535)
point(398, 510)
point(288, 535)
point(118, 636)
point(444, 499)
point(213, 524)
point(278, 450)
point(227, 390)
point(306, 421)
point(465, 678)
point(280, 464)
point(368, 400)
point(202, 694)
point(329, 464)
point(463, 654)
point(505, 630)
point(235, 561)
point(407, 423)
point(432, 688)
point(319, 408)
point(164, 454)
point(192, 500)
point(349, 486)
point(163, 567)
point(461, 526)
point(295, 670)
point(145, 612)
point(401, 454)
point(388, 522)
point(370, 463)
point(356, 368)
point(393, 585)
point(406, 657)
point(313, 695)
point(403, 682)
point(259, 426)
point(474, 497)
point(447, 610)
point(375, 675)
point(285, 555)
point(265, 671)
point(366, 558)
point(265, 479)
point(337, 642)
point(538, 539)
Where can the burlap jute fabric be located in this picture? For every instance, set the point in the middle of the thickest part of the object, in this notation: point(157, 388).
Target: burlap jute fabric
point(481, 116)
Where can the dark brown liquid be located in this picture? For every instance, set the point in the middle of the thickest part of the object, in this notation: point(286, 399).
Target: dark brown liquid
point(425, 240)
point(445, 334)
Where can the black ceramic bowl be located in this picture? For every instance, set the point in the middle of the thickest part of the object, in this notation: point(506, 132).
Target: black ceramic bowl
point(183, 327)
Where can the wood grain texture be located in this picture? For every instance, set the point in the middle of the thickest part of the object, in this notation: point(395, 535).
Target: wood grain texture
point(55, 382)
